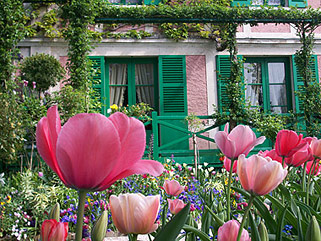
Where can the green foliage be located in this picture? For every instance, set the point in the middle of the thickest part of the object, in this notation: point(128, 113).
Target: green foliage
point(47, 25)
point(44, 69)
point(72, 101)
point(142, 111)
point(12, 20)
point(12, 130)
point(80, 38)
point(129, 34)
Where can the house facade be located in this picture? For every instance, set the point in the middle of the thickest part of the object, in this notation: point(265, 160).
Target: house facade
point(182, 78)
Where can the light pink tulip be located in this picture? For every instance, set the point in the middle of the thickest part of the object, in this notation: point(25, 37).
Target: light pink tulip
point(288, 142)
point(240, 140)
point(175, 206)
point(316, 147)
point(92, 151)
point(173, 188)
point(259, 175)
point(229, 230)
point(227, 165)
point(315, 171)
point(135, 213)
point(51, 230)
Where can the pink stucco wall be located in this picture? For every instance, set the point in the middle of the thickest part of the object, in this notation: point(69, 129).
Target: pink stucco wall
point(271, 28)
point(314, 3)
point(240, 28)
point(197, 89)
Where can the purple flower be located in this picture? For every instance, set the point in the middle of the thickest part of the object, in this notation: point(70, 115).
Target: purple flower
point(25, 83)
point(34, 84)
point(40, 174)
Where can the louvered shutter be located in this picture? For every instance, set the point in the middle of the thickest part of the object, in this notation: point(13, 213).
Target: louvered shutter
point(298, 3)
point(173, 99)
point(298, 83)
point(98, 81)
point(223, 73)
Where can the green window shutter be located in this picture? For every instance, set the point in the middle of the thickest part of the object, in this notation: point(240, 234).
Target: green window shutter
point(298, 81)
point(98, 81)
point(172, 85)
point(298, 3)
point(236, 3)
point(173, 98)
point(223, 73)
point(152, 2)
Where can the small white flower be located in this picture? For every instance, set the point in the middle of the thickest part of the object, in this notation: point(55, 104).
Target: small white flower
point(109, 111)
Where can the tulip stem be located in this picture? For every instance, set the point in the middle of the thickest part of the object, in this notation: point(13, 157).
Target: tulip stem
point(309, 181)
point(80, 214)
point(164, 214)
point(132, 237)
point(228, 197)
point(247, 210)
point(304, 177)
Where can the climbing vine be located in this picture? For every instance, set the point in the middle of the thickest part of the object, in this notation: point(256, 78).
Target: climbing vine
point(308, 93)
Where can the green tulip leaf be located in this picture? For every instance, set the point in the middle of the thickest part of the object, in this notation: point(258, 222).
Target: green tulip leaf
point(171, 230)
point(254, 230)
point(203, 236)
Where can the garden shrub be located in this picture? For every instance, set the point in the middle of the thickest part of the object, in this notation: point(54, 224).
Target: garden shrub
point(43, 69)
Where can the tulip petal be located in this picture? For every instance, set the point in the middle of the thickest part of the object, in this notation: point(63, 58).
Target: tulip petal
point(47, 131)
point(269, 177)
point(121, 123)
point(151, 167)
point(59, 232)
point(87, 149)
point(224, 144)
point(46, 227)
point(118, 213)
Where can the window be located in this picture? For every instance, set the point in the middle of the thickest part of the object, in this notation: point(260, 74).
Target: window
point(132, 81)
point(267, 84)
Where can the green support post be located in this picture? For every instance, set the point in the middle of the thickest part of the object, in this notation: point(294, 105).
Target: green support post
point(155, 133)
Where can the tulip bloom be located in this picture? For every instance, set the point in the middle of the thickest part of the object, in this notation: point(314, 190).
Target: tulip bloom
point(288, 142)
point(259, 175)
point(51, 230)
point(272, 154)
point(316, 147)
point(92, 151)
point(173, 188)
point(316, 169)
point(240, 140)
point(227, 165)
point(175, 206)
point(135, 213)
point(299, 157)
point(229, 230)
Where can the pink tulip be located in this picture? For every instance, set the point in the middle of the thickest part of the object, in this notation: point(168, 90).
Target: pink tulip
point(135, 213)
point(175, 206)
point(260, 175)
point(299, 157)
point(51, 230)
point(173, 188)
point(92, 151)
point(316, 169)
point(272, 154)
point(227, 165)
point(229, 230)
point(288, 142)
point(316, 147)
point(240, 140)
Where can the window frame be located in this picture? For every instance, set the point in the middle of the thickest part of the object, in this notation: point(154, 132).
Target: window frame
point(265, 80)
point(131, 62)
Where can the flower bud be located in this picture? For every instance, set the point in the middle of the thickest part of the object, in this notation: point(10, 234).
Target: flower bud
point(313, 231)
point(264, 236)
point(55, 212)
point(100, 228)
